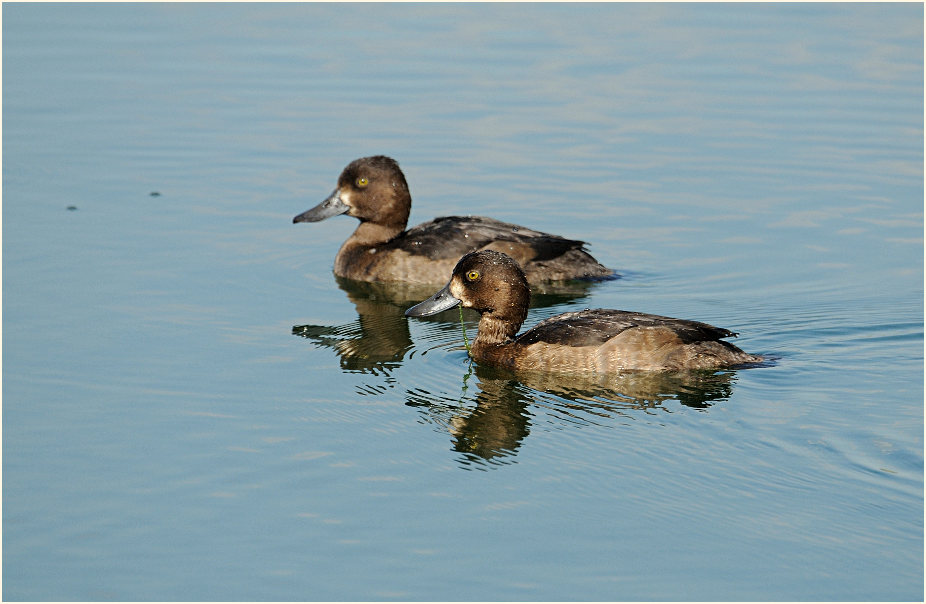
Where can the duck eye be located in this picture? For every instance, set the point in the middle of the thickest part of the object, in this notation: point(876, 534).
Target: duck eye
point(472, 275)
point(362, 181)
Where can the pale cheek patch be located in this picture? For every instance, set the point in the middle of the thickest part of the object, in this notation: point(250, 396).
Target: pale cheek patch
point(456, 290)
point(344, 196)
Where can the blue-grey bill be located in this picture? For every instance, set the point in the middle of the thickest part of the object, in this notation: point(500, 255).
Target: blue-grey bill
point(440, 301)
point(332, 206)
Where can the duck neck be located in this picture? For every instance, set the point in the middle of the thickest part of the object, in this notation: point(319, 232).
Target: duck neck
point(494, 331)
point(357, 255)
point(369, 234)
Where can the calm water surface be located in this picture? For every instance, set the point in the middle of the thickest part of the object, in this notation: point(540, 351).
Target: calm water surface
point(194, 408)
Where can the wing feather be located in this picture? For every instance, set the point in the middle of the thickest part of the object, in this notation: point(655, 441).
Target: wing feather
point(595, 327)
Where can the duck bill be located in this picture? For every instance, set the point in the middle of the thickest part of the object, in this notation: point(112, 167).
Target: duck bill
point(441, 301)
point(332, 206)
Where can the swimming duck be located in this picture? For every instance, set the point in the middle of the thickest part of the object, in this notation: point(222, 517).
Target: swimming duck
point(599, 341)
point(373, 190)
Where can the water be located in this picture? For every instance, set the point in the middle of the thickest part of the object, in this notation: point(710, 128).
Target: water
point(194, 408)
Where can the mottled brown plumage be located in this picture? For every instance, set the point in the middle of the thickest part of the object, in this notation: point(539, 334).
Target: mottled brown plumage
point(596, 341)
point(374, 190)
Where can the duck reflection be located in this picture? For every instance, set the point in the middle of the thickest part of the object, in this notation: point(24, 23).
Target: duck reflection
point(379, 339)
point(403, 295)
point(494, 429)
point(637, 390)
point(491, 433)
point(376, 342)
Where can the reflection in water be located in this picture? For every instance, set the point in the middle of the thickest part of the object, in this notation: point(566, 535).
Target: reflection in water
point(379, 339)
point(698, 389)
point(404, 295)
point(495, 428)
point(376, 342)
point(362, 347)
point(491, 431)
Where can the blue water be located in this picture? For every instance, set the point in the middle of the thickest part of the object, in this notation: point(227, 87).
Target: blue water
point(195, 409)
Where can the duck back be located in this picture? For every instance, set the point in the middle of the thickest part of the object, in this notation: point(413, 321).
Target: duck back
point(434, 247)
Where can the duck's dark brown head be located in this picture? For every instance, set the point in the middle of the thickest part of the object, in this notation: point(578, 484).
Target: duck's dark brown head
point(486, 281)
point(372, 189)
point(491, 282)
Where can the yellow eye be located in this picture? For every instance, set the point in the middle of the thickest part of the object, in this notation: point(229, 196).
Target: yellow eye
point(362, 181)
point(472, 275)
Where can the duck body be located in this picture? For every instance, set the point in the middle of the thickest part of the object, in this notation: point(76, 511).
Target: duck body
point(588, 341)
point(606, 340)
point(374, 190)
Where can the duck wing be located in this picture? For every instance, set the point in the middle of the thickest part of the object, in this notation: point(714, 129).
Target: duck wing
point(454, 236)
point(595, 327)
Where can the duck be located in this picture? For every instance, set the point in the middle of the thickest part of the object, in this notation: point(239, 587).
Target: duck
point(374, 190)
point(588, 341)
